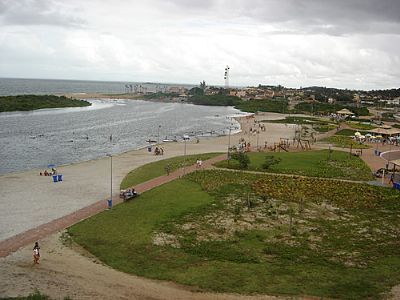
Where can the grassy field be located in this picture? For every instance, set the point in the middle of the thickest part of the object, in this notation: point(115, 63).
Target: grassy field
point(321, 163)
point(245, 233)
point(158, 168)
point(360, 126)
point(348, 132)
point(344, 142)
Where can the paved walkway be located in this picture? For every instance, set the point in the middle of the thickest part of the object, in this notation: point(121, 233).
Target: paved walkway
point(28, 237)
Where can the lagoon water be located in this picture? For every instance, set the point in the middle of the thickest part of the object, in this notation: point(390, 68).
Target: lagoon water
point(38, 138)
point(35, 139)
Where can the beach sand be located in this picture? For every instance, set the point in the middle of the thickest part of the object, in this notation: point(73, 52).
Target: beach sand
point(29, 200)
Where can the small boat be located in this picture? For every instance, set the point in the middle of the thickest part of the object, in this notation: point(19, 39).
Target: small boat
point(151, 141)
point(32, 137)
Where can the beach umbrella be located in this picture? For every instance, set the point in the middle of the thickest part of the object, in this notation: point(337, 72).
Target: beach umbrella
point(357, 134)
point(368, 135)
point(379, 136)
point(372, 137)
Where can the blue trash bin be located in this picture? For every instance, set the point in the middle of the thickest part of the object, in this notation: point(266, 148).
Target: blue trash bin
point(109, 203)
point(59, 177)
point(55, 178)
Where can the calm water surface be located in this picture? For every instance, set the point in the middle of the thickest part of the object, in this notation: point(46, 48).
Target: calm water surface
point(60, 136)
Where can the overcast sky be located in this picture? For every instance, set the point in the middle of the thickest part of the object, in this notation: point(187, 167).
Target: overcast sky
point(340, 43)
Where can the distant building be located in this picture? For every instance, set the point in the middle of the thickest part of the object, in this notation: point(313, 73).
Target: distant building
point(395, 101)
point(177, 90)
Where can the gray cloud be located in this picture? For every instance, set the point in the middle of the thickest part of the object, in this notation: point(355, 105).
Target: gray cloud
point(38, 12)
point(332, 17)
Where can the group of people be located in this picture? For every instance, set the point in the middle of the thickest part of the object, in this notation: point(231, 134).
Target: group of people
point(49, 173)
point(243, 146)
point(128, 194)
point(158, 151)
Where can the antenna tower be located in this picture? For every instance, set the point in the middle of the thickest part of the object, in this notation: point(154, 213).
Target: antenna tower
point(226, 77)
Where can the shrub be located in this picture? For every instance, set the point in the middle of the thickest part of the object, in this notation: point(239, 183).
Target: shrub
point(270, 160)
point(242, 158)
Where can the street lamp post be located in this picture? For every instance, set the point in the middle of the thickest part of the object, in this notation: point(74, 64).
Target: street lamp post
point(184, 156)
point(229, 145)
point(158, 135)
point(111, 167)
point(258, 133)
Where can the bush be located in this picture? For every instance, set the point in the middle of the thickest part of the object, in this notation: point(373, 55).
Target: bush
point(242, 158)
point(270, 160)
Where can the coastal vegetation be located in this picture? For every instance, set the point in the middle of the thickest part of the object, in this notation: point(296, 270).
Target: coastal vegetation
point(320, 163)
point(161, 167)
point(327, 108)
point(215, 100)
point(248, 233)
point(33, 102)
point(278, 105)
point(275, 105)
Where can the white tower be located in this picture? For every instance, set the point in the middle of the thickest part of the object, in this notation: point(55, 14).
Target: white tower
point(226, 77)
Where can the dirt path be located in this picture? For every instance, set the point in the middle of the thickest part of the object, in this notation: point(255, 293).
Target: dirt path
point(70, 271)
point(65, 271)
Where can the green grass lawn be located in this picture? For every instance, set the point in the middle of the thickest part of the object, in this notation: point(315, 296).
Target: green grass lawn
point(360, 126)
point(319, 163)
point(339, 140)
point(245, 233)
point(348, 132)
point(156, 169)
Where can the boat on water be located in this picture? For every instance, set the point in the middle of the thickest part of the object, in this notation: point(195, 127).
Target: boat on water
point(168, 140)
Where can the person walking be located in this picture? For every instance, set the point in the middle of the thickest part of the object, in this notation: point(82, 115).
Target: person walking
point(36, 253)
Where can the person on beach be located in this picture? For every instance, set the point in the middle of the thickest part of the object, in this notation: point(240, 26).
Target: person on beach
point(36, 253)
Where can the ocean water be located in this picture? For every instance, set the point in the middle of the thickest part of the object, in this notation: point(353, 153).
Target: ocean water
point(35, 139)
